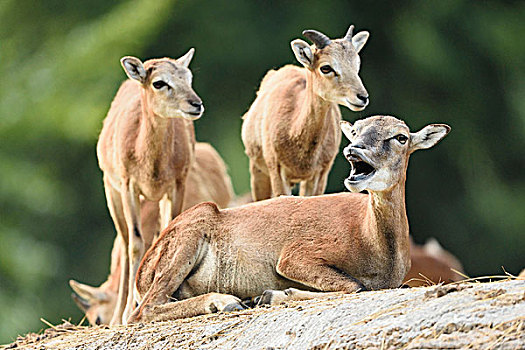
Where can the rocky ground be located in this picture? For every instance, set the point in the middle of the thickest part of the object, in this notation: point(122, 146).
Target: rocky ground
point(458, 316)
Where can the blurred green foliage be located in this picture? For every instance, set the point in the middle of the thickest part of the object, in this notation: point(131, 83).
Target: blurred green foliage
point(456, 62)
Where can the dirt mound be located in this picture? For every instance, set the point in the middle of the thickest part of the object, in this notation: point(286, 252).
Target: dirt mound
point(466, 315)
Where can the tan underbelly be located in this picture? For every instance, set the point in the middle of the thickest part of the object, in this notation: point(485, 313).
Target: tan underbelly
point(239, 277)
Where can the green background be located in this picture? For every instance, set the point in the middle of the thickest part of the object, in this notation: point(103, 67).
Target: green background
point(456, 62)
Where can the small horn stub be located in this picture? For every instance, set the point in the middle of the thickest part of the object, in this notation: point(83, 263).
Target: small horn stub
point(350, 33)
point(319, 39)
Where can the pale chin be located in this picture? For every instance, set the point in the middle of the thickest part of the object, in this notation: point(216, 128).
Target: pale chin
point(191, 116)
point(355, 187)
point(356, 109)
point(352, 107)
point(184, 115)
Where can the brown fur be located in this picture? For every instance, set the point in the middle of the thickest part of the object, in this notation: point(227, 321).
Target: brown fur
point(208, 180)
point(432, 264)
point(145, 149)
point(343, 242)
point(291, 131)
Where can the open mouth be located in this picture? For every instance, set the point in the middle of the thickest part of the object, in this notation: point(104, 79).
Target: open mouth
point(360, 169)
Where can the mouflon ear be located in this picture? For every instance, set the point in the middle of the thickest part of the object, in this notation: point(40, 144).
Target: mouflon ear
point(186, 59)
point(134, 68)
point(346, 127)
point(82, 303)
point(428, 136)
point(303, 52)
point(359, 40)
point(88, 293)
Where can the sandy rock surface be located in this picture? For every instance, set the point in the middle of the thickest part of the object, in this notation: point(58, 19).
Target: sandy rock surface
point(462, 316)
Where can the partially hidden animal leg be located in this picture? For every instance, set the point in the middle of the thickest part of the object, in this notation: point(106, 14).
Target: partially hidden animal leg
point(200, 305)
point(276, 297)
point(307, 187)
point(131, 205)
point(116, 211)
point(177, 198)
point(313, 274)
point(280, 185)
point(320, 185)
point(164, 212)
point(165, 267)
point(260, 183)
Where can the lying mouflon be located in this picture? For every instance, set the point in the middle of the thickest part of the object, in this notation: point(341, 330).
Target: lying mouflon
point(209, 259)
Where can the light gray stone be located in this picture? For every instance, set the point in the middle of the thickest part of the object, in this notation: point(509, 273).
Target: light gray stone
point(467, 315)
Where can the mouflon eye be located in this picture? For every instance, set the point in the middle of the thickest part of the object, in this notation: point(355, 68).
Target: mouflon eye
point(326, 69)
point(159, 84)
point(402, 139)
point(98, 321)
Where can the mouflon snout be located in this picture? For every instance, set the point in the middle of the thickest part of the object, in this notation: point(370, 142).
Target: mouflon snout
point(363, 97)
point(353, 152)
point(194, 107)
point(356, 100)
point(357, 97)
point(347, 153)
point(361, 100)
point(361, 165)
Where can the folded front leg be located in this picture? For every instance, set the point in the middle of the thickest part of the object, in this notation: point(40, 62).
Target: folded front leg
point(200, 305)
point(276, 297)
point(316, 272)
point(313, 274)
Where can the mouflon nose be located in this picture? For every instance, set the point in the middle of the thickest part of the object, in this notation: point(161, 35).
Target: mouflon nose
point(349, 152)
point(195, 103)
point(363, 98)
point(346, 152)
